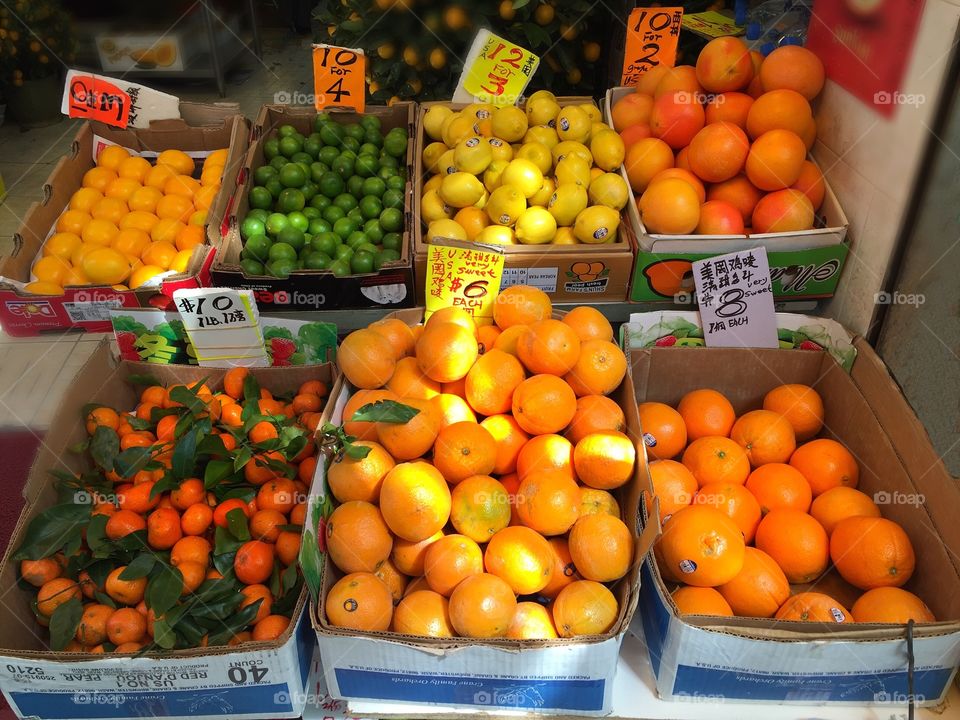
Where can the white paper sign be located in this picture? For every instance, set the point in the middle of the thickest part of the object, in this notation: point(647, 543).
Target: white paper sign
point(223, 325)
point(735, 295)
point(116, 102)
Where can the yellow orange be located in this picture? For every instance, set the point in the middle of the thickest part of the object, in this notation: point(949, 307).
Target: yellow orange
point(176, 207)
point(135, 168)
point(159, 253)
point(111, 156)
point(131, 241)
point(139, 219)
point(178, 160)
point(98, 178)
point(62, 244)
point(144, 198)
point(189, 237)
point(157, 176)
point(99, 232)
point(73, 221)
point(109, 208)
point(166, 230)
point(182, 185)
point(84, 199)
point(122, 188)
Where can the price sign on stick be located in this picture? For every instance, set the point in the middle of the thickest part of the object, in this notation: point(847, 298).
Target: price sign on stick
point(465, 275)
point(339, 77)
point(495, 71)
point(652, 36)
point(735, 294)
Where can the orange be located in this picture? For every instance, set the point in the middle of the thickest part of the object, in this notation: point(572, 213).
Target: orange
point(189, 237)
point(507, 340)
point(872, 552)
point(159, 253)
point(521, 305)
point(450, 560)
point(358, 539)
point(360, 479)
point(633, 109)
point(191, 549)
point(288, 548)
point(797, 542)
point(253, 562)
point(182, 186)
point(706, 412)
point(366, 358)
point(482, 606)
point(510, 440)
point(54, 593)
point(739, 192)
point(781, 109)
point(813, 607)
point(109, 208)
point(178, 160)
point(124, 522)
point(718, 152)
point(730, 107)
point(271, 627)
point(681, 174)
point(736, 502)
point(779, 487)
point(51, 269)
point(811, 184)
point(793, 67)
point(408, 381)
point(125, 592)
point(676, 117)
point(92, 629)
point(98, 178)
point(548, 501)
point(174, 207)
point(226, 507)
point(233, 382)
point(408, 557)
point(700, 601)
point(425, 613)
point(139, 220)
point(472, 220)
point(387, 573)
point(480, 507)
point(839, 503)
point(550, 347)
point(189, 491)
point(130, 242)
point(138, 498)
point(759, 589)
point(673, 484)
point(766, 436)
point(110, 157)
point(446, 351)
point(166, 231)
point(702, 545)
point(644, 159)
point(363, 430)
point(84, 199)
point(490, 383)
point(142, 198)
point(134, 168)
point(487, 335)
point(279, 494)
point(545, 452)
point(126, 625)
point(531, 621)
point(826, 464)
point(584, 607)
point(595, 413)
point(455, 315)
point(253, 593)
point(163, 528)
point(415, 501)
point(520, 556)
point(723, 65)
point(589, 323)
point(544, 404)
point(452, 409)
point(716, 459)
point(359, 601)
point(783, 211)
point(62, 245)
point(40, 572)
point(891, 605)
point(204, 196)
point(194, 574)
point(414, 438)
point(73, 221)
point(265, 525)
point(564, 571)
point(604, 460)
point(775, 159)
point(462, 450)
point(664, 432)
point(801, 405)
point(670, 207)
point(99, 232)
point(601, 547)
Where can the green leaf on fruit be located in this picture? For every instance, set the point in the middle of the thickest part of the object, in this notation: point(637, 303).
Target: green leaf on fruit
point(63, 623)
point(387, 411)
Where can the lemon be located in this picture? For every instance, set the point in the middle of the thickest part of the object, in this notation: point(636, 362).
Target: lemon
point(609, 189)
point(537, 153)
point(144, 273)
point(480, 111)
point(543, 195)
point(523, 175)
point(445, 229)
point(432, 207)
point(565, 236)
point(446, 164)
point(607, 149)
point(592, 111)
point(106, 266)
point(460, 189)
point(433, 183)
point(432, 153)
point(473, 155)
point(457, 129)
point(542, 110)
point(482, 202)
point(541, 134)
point(493, 174)
point(509, 123)
point(598, 127)
point(572, 169)
point(573, 124)
point(595, 172)
point(542, 94)
point(568, 147)
point(433, 121)
point(597, 224)
point(535, 226)
point(567, 202)
point(505, 205)
point(501, 150)
point(496, 235)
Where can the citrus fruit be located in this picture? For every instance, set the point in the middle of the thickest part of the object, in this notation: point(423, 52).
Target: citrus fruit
point(584, 607)
point(891, 605)
point(700, 601)
point(359, 601)
point(664, 432)
point(813, 607)
point(702, 545)
point(759, 589)
point(520, 556)
point(797, 542)
point(872, 552)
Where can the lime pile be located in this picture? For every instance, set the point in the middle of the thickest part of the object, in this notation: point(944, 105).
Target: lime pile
point(332, 200)
point(532, 176)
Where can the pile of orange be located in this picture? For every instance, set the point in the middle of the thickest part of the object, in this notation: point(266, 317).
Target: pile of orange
point(209, 546)
point(129, 221)
point(491, 513)
point(757, 509)
point(721, 148)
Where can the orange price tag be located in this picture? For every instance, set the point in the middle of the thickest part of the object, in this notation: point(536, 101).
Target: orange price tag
point(652, 36)
point(94, 98)
point(339, 77)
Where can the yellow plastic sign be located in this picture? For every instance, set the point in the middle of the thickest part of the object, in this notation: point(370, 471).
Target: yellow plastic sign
point(652, 37)
point(339, 77)
point(497, 70)
point(464, 275)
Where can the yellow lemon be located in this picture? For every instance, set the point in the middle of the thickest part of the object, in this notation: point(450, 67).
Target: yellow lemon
point(598, 127)
point(505, 205)
point(496, 235)
point(592, 111)
point(42, 288)
point(431, 154)
point(537, 153)
point(501, 150)
point(181, 260)
point(144, 273)
point(432, 207)
point(457, 128)
point(609, 189)
point(573, 124)
point(473, 155)
point(523, 175)
point(509, 123)
point(106, 266)
point(565, 236)
point(569, 147)
point(597, 224)
point(493, 175)
point(62, 244)
point(542, 94)
point(542, 134)
point(460, 189)
point(567, 202)
point(51, 269)
point(445, 164)
point(181, 163)
point(535, 226)
point(479, 111)
point(573, 169)
point(543, 195)
point(433, 120)
point(607, 149)
point(542, 110)
point(445, 229)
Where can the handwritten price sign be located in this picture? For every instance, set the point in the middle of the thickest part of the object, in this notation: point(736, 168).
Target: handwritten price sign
point(95, 98)
point(339, 77)
point(652, 37)
point(496, 70)
point(463, 275)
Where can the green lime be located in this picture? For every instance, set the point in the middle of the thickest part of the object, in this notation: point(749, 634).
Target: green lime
point(290, 146)
point(366, 166)
point(311, 213)
point(251, 226)
point(271, 148)
point(373, 230)
point(340, 267)
point(351, 144)
point(291, 236)
point(318, 225)
point(333, 213)
point(281, 268)
point(392, 241)
point(278, 162)
point(366, 247)
point(342, 251)
point(275, 223)
point(251, 267)
point(317, 171)
point(302, 158)
point(312, 145)
point(298, 220)
point(349, 154)
point(368, 149)
point(395, 182)
point(274, 187)
point(354, 130)
point(357, 215)
point(344, 226)
point(373, 138)
point(391, 220)
point(257, 247)
point(374, 186)
point(286, 130)
point(389, 255)
point(259, 213)
point(260, 197)
point(309, 189)
point(328, 154)
point(320, 120)
point(262, 174)
point(282, 251)
point(395, 142)
point(355, 186)
point(346, 201)
point(303, 252)
point(370, 122)
point(388, 161)
point(392, 199)
point(320, 202)
point(371, 207)
point(317, 261)
point(362, 262)
point(332, 134)
point(356, 238)
point(325, 242)
point(343, 166)
point(290, 199)
point(331, 184)
point(292, 175)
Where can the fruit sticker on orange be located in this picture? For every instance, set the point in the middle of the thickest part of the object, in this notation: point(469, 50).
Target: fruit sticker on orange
point(465, 275)
point(339, 77)
point(496, 71)
point(652, 36)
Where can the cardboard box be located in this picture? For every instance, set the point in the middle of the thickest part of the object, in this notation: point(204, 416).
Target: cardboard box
point(391, 287)
point(567, 273)
point(795, 662)
point(804, 264)
point(200, 130)
point(259, 680)
point(555, 676)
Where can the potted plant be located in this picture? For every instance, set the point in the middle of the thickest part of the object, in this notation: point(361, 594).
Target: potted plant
point(36, 43)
